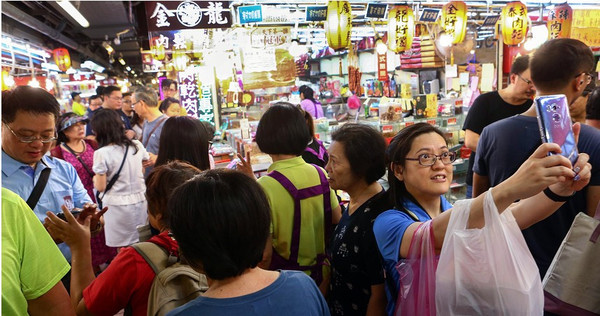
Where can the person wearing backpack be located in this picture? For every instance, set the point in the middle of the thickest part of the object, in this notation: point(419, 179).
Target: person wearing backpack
point(127, 281)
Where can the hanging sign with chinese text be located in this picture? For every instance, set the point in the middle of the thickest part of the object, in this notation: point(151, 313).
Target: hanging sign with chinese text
point(559, 21)
point(585, 26)
point(382, 74)
point(262, 37)
point(315, 14)
point(188, 91)
point(376, 10)
point(250, 14)
point(176, 15)
point(338, 25)
point(401, 28)
point(514, 23)
point(454, 20)
point(206, 110)
point(429, 15)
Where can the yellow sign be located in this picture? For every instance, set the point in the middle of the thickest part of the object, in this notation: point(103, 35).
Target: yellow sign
point(401, 28)
point(454, 20)
point(405, 91)
point(432, 105)
point(586, 26)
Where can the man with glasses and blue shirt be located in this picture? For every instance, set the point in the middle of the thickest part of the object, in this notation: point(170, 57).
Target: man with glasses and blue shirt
point(493, 106)
point(28, 131)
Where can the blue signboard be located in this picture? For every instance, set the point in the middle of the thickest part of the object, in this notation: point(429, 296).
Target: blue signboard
point(490, 20)
point(250, 14)
point(316, 13)
point(429, 15)
point(376, 11)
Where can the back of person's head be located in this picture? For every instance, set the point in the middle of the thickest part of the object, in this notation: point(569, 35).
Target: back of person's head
point(164, 105)
point(108, 128)
point(109, 90)
point(148, 95)
point(520, 64)
point(221, 220)
point(307, 92)
point(28, 99)
point(310, 123)
point(396, 156)
point(558, 61)
point(364, 148)
point(210, 129)
point(160, 184)
point(282, 130)
point(127, 94)
point(100, 91)
point(186, 139)
point(592, 108)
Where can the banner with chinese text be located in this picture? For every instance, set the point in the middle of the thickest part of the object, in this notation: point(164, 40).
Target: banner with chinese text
point(179, 15)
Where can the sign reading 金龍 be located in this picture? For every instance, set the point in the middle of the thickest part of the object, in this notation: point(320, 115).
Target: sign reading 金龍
point(175, 15)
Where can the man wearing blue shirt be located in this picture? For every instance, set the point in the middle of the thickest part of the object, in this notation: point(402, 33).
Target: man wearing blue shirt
point(28, 130)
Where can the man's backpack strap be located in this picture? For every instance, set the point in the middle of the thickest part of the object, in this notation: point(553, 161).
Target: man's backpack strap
point(157, 257)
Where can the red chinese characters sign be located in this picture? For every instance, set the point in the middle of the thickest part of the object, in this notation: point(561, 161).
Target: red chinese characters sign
point(559, 21)
point(176, 15)
point(382, 67)
point(514, 23)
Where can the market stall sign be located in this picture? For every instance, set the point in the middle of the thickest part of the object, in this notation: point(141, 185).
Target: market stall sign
point(188, 91)
point(559, 21)
point(206, 111)
point(62, 58)
point(585, 26)
point(316, 14)
point(514, 23)
point(81, 77)
point(490, 21)
point(454, 20)
point(338, 25)
point(429, 15)
point(401, 28)
point(262, 37)
point(175, 15)
point(250, 14)
point(382, 74)
point(376, 10)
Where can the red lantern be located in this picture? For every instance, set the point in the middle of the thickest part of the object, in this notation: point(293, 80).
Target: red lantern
point(559, 21)
point(62, 58)
point(514, 23)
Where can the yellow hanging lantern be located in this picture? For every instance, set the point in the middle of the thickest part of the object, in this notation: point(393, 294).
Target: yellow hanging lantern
point(454, 20)
point(62, 58)
point(559, 21)
point(514, 23)
point(401, 28)
point(180, 60)
point(338, 25)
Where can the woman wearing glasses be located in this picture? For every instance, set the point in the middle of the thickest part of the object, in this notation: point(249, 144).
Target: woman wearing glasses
point(420, 173)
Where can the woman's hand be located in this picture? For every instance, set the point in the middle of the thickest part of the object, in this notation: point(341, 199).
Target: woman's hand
point(245, 166)
point(583, 174)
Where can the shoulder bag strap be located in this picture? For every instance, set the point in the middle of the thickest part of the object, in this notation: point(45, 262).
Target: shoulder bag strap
point(145, 141)
point(89, 171)
point(35, 195)
point(155, 255)
point(116, 176)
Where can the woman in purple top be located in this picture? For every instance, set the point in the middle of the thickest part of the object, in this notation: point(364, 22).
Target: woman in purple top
point(308, 103)
point(74, 149)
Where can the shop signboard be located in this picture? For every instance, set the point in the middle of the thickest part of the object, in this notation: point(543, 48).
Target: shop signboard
point(250, 14)
point(316, 14)
point(188, 91)
point(82, 77)
point(376, 10)
point(205, 108)
point(429, 15)
point(382, 74)
point(490, 21)
point(178, 15)
point(262, 37)
point(585, 26)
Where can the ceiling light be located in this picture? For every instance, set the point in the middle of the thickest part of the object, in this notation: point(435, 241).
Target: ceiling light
point(73, 12)
point(128, 68)
point(122, 61)
point(108, 48)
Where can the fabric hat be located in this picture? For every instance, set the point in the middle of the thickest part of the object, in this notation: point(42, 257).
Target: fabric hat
point(69, 119)
point(74, 94)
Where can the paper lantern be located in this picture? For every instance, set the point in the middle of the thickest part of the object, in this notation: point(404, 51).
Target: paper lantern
point(62, 58)
point(454, 20)
point(401, 28)
point(338, 25)
point(559, 21)
point(514, 23)
point(180, 60)
point(158, 50)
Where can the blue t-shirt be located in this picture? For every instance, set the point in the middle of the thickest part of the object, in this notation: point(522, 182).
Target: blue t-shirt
point(293, 293)
point(389, 228)
point(63, 184)
point(504, 146)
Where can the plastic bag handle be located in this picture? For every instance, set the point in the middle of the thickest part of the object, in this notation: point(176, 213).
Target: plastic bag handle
point(490, 210)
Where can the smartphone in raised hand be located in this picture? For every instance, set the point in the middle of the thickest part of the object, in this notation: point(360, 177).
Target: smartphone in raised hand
point(555, 124)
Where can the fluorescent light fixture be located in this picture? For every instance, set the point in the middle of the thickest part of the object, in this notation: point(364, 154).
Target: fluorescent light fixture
point(122, 61)
point(73, 12)
point(92, 66)
point(128, 68)
point(108, 48)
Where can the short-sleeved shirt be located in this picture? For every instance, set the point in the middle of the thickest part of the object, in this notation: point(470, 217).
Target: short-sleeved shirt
point(126, 281)
point(389, 228)
point(63, 183)
point(78, 108)
point(487, 109)
point(504, 146)
point(314, 109)
point(356, 263)
point(312, 227)
point(31, 262)
point(151, 141)
point(292, 294)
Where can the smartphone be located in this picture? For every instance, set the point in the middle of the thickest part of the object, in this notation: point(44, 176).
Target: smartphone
point(75, 213)
point(555, 124)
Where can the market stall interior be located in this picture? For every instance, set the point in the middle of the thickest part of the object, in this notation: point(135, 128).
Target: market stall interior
point(380, 63)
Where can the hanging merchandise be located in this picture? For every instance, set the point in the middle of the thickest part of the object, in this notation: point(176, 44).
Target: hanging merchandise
point(338, 25)
point(514, 23)
point(62, 58)
point(559, 21)
point(454, 20)
point(401, 28)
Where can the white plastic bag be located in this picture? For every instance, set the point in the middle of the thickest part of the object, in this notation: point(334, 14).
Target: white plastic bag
point(487, 271)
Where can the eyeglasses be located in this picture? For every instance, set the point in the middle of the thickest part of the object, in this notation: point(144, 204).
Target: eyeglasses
point(588, 77)
point(31, 139)
point(527, 81)
point(133, 104)
point(428, 160)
